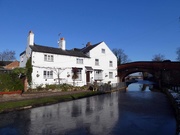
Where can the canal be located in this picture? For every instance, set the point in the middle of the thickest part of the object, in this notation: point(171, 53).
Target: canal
point(134, 111)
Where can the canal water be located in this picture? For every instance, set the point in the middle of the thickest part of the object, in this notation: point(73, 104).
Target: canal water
point(134, 111)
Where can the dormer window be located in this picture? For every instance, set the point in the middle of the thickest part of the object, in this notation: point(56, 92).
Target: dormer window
point(103, 50)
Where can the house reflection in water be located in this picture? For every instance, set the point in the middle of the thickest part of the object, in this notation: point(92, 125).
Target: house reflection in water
point(94, 115)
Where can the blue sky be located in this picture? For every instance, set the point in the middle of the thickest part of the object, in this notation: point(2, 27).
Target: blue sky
point(142, 28)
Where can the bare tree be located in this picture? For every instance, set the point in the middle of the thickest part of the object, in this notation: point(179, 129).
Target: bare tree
point(178, 54)
point(121, 56)
point(7, 55)
point(158, 57)
point(58, 72)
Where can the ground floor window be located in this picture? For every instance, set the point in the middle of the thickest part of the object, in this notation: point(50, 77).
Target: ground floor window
point(77, 74)
point(110, 75)
point(98, 75)
point(48, 74)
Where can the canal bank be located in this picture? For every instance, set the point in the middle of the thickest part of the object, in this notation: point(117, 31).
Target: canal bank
point(29, 100)
point(174, 98)
point(37, 99)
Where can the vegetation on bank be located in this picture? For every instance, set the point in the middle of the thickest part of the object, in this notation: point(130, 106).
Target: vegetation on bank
point(29, 103)
point(10, 82)
point(58, 87)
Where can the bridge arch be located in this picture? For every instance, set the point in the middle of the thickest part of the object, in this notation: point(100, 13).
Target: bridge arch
point(164, 71)
point(124, 74)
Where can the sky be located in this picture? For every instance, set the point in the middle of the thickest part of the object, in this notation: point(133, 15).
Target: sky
point(142, 28)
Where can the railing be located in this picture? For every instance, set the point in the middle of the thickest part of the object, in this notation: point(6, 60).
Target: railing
point(176, 88)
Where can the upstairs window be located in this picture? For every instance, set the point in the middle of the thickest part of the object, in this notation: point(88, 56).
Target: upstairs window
point(97, 62)
point(79, 61)
point(49, 58)
point(110, 64)
point(102, 50)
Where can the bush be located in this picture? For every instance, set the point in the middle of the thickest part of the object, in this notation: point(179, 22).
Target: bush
point(10, 82)
point(65, 87)
point(61, 87)
point(39, 87)
point(51, 86)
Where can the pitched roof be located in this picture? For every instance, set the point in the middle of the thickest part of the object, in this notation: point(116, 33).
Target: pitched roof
point(4, 63)
point(12, 65)
point(89, 47)
point(46, 49)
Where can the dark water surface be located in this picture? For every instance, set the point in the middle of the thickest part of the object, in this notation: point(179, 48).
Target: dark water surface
point(136, 111)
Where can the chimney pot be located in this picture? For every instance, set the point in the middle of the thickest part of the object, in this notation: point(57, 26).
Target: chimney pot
point(62, 43)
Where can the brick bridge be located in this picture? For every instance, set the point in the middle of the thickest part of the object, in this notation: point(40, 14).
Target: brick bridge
point(165, 71)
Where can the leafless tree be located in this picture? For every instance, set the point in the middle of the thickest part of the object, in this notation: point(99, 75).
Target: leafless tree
point(178, 54)
point(7, 55)
point(158, 57)
point(58, 72)
point(121, 56)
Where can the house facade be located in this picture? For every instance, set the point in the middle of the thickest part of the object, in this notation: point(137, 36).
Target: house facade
point(58, 65)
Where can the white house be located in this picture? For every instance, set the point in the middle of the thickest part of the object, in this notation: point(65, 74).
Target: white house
point(56, 65)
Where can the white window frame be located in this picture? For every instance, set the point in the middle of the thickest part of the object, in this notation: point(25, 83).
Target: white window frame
point(110, 75)
point(98, 74)
point(103, 50)
point(49, 58)
point(110, 63)
point(97, 62)
point(47, 74)
point(79, 61)
point(79, 74)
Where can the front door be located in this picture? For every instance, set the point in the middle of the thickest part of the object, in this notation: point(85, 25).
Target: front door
point(87, 77)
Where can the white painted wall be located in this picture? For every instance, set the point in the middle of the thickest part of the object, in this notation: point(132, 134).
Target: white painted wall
point(27, 54)
point(104, 59)
point(60, 61)
point(67, 62)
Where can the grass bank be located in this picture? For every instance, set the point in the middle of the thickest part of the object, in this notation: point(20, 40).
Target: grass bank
point(36, 102)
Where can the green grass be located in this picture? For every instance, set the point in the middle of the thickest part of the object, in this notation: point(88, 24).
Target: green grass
point(18, 105)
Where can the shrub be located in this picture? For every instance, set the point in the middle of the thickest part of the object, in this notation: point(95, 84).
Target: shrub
point(51, 86)
point(39, 87)
point(65, 87)
point(10, 82)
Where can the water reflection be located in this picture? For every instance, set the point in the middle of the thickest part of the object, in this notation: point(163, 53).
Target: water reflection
point(93, 115)
point(118, 113)
point(141, 85)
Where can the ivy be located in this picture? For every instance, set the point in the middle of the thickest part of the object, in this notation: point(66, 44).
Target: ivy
point(29, 71)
